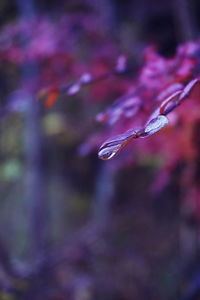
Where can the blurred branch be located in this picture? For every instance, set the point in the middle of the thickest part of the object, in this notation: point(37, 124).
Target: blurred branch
point(193, 290)
point(5, 260)
point(51, 94)
point(36, 204)
point(71, 249)
point(103, 195)
point(184, 19)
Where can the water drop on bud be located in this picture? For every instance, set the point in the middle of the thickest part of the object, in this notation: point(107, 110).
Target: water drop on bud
point(154, 125)
point(108, 152)
point(113, 145)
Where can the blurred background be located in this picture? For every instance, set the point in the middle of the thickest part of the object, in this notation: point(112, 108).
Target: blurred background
point(73, 227)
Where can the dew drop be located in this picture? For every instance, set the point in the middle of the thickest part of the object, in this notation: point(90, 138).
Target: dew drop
point(154, 125)
point(108, 152)
point(113, 145)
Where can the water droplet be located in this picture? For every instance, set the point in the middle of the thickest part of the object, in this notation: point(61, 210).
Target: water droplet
point(108, 152)
point(154, 125)
point(113, 145)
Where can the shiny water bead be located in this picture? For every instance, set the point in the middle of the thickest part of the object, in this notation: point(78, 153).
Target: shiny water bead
point(154, 125)
point(108, 152)
point(112, 146)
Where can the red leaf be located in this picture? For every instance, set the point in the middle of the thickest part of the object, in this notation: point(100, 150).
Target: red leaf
point(52, 97)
